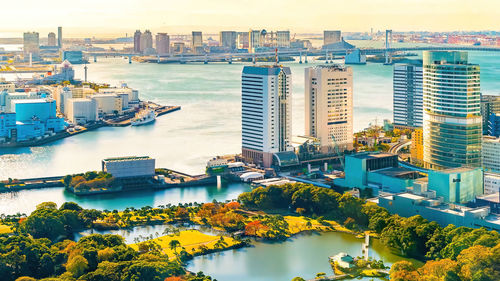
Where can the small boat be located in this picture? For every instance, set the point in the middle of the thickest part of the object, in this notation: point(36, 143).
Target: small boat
point(144, 118)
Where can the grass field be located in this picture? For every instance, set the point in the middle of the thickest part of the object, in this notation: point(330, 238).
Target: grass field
point(190, 240)
point(5, 229)
point(298, 224)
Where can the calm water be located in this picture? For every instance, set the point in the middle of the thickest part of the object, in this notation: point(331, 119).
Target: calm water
point(304, 255)
point(26, 201)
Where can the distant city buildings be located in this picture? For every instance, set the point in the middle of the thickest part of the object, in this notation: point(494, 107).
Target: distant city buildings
point(283, 39)
point(162, 43)
point(59, 37)
point(331, 36)
point(329, 106)
point(452, 117)
point(31, 45)
point(407, 97)
point(227, 39)
point(51, 39)
point(266, 112)
point(137, 41)
point(147, 42)
point(196, 41)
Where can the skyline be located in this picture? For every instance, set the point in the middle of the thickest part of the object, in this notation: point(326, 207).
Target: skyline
point(115, 18)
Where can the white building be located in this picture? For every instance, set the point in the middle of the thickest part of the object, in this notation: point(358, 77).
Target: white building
point(108, 104)
point(329, 106)
point(7, 99)
point(81, 110)
point(283, 39)
point(491, 183)
point(491, 154)
point(331, 36)
point(132, 166)
point(255, 40)
point(133, 95)
point(266, 112)
point(9, 87)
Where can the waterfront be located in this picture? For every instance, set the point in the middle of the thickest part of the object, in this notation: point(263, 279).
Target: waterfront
point(209, 122)
point(25, 201)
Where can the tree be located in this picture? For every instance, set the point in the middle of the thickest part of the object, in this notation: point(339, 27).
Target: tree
point(173, 244)
point(403, 271)
point(298, 279)
point(77, 265)
point(47, 205)
point(71, 206)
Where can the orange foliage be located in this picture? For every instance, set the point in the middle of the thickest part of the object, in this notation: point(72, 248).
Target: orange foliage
point(233, 205)
point(252, 228)
point(175, 278)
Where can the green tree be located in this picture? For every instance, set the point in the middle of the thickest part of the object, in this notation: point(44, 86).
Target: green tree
point(77, 265)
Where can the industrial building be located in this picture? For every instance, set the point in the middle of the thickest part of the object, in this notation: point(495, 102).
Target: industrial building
point(81, 110)
point(108, 104)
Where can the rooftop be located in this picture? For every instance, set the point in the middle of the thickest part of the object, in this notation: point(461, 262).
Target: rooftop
point(33, 101)
point(494, 197)
point(266, 70)
point(126, 158)
point(372, 155)
point(399, 173)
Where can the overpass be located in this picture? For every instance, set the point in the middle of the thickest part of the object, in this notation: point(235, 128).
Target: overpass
point(230, 57)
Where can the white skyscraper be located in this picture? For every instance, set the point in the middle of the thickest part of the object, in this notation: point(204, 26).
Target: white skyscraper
point(266, 112)
point(329, 106)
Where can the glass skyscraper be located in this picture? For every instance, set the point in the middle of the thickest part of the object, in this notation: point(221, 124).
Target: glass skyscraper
point(452, 116)
point(407, 99)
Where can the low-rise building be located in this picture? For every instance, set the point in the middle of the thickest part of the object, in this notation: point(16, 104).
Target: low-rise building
point(131, 166)
point(82, 111)
point(7, 125)
point(459, 185)
point(108, 104)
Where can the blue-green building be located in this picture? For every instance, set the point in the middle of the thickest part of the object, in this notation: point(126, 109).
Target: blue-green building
point(460, 185)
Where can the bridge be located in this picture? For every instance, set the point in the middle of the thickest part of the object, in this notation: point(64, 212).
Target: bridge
point(327, 53)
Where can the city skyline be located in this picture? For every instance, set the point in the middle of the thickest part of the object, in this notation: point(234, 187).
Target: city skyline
point(117, 18)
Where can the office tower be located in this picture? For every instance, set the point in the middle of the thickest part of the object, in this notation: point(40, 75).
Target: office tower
point(452, 117)
point(51, 39)
point(283, 39)
point(407, 98)
point(227, 39)
point(266, 112)
point(491, 154)
point(137, 41)
point(59, 37)
point(162, 43)
point(31, 44)
point(417, 146)
point(490, 104)
point(255, 40)
point(331, 36)
point(146, 41)
point(242, 40)
point(329, 106)
point(197, 40)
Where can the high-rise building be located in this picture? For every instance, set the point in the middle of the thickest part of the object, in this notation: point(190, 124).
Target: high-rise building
point(255, 40)
point(490, 104)
point(331, 36)
point(31, 44)
point(137, 41)
point(266, 112)
point(329, 106)
point(452, 117)
point(146, 40)
point(59, 37)
point(197, 40)
point(228, 39)
point(283, 39)
point(407, 97)
point(51, 39)
point(242, 40)
point(491, 154)
point(162, 43)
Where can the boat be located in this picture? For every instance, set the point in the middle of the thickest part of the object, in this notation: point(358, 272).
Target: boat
point(144, 118)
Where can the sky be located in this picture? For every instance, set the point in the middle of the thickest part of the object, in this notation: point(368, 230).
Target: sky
point(85, 18)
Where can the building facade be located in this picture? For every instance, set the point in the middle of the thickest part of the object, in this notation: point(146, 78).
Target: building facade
point(196, 40)
point(162, 43)
point(491, 154)
point(124, 167)
point(331, 36)
point(266, 112)
point(458, 185)
point(31, 44)
point(417, 146)
point(108, 104)
point(407, 96)
point(452, 117)
point(51, 39)
point(255, 40)
point(491, 183)
point(59, 37)
point(329, 106)
point(137, 41)
point(490, 104)
point(227, 39)
point(82, 111)
point(283, 39)
point(146, 41)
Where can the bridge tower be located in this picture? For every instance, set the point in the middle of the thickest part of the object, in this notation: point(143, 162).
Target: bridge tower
point(300, 57)
point(129, 59)
point(95, 58)
point(305, 58)
point(388, 45)
point(326, 56)
point(230, 60)
point(206, 59)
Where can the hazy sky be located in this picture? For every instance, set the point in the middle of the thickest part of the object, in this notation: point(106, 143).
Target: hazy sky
point(116, 17)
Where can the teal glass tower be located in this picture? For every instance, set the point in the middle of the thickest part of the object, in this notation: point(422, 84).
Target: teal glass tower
point(452, 111)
